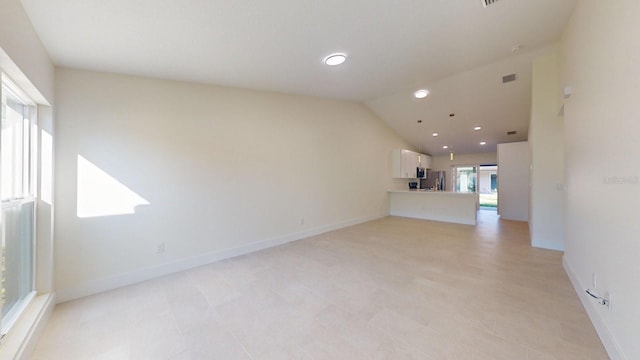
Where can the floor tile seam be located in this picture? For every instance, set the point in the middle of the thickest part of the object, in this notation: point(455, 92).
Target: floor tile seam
point(284, 298)
point(409, 345)
point(563, 337)
point(459, 344)
point(547, 317)
point(530, 344)
point(344, 338)
point(493, 333)
point(399, 339)
point(184, 332)
point(311, 323)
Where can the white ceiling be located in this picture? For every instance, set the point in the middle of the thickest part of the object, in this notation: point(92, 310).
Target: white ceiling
point(476, 98)
point(394, 47)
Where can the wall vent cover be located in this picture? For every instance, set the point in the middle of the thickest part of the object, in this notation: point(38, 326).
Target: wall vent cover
point(509, 78)
point(486, 3)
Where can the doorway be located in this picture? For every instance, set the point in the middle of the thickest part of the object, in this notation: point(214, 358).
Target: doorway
point(488, 187)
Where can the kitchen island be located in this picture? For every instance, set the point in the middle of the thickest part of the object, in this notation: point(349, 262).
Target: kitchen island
point(444, 206)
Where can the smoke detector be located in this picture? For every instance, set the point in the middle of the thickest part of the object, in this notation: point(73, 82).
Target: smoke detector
point(486, 3)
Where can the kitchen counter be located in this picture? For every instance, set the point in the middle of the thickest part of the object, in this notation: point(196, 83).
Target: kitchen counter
point(424, 191)
point(447, 206)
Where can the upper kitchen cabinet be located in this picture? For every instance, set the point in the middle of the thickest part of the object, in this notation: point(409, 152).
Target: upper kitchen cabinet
point(425, 161)
point(404, 163)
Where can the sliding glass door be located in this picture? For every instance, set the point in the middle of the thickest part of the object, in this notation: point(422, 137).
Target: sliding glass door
point(465, 178)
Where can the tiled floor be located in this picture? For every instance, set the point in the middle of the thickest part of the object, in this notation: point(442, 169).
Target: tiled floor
point(394, 288)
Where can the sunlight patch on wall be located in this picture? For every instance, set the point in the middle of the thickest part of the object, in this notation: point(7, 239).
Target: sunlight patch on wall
point(99, 194)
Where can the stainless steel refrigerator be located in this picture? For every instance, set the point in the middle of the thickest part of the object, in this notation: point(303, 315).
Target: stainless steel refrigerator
point(433, 178)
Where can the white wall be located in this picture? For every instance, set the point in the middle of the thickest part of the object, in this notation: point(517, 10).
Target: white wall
point(22, 54)
point(484, 180)
point(224, 171)
point(513, 181)
point(546, 145)
point(24, 59)
point(443, 162)
point(600, 60)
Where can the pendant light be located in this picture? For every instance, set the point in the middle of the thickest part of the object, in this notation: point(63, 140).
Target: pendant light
point(419, 149)
point(451, 115)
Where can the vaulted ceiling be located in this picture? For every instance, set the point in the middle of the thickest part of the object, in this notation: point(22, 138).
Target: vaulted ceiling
point(458, 49)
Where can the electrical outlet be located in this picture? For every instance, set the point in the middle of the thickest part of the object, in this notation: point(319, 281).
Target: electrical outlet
point(160, 248)
point(593, 281)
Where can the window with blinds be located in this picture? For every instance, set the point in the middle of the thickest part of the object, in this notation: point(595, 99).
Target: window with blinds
point(17, 242)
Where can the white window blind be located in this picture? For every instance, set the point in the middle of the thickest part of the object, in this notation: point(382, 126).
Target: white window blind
point(17, 227)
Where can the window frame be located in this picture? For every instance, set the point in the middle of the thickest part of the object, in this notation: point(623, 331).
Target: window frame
point(27, 194)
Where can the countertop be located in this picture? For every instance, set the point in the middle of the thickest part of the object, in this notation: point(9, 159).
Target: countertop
point(422, 191)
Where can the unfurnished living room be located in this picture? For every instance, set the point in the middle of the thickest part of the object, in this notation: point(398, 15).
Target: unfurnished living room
point(207, 179)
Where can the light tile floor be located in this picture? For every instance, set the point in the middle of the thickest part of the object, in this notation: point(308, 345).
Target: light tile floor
point(394, 288)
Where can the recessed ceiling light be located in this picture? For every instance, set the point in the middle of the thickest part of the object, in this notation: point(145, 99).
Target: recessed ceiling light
point(477, 128)
point(445, 147)
point(483, 143)
point(435, 134)
point(335, 59)
point(421, 94)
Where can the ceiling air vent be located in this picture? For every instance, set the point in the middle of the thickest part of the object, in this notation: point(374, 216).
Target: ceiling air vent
point(486, 3)
point(512, 132)
point(509, 78)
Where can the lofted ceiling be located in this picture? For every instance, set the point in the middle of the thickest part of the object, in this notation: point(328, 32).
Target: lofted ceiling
point(458, 49)
point(475, 98)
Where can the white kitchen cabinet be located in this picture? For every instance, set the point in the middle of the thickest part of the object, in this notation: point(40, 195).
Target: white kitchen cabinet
point(404, 164)
point(425, 161)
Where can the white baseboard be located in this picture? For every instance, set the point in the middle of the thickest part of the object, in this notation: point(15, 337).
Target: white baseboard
point(610, 344)
point(21, 340)
point(435, 217)
point(548, 245)
point(114, 282)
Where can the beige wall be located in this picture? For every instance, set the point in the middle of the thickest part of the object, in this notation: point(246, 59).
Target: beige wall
point(546, 128)
point(223, 170)
point(600, 57)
